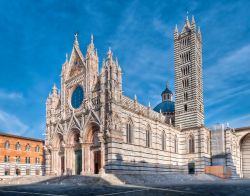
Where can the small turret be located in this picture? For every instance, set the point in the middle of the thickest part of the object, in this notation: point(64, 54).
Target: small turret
point(112, 76)
point(167, 94)
point(54, 90)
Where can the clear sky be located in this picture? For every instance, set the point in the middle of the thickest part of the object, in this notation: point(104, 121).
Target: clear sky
point(36, 35)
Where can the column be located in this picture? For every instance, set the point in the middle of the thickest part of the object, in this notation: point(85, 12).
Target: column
point(65, 160)
point(83, 160)
point(102, 149)
point(87, 159)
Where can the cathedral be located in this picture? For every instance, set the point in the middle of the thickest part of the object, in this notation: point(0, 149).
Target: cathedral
point(93, 128)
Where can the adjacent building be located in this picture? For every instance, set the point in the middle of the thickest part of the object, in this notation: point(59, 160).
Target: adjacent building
point(21, 156)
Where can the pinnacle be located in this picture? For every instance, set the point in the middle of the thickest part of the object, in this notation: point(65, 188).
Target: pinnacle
point(187, 22)
point(176, 29)
point(199, 30)
point(67, 58)
point(92, 39)
point(193, 21)
point(109, 54)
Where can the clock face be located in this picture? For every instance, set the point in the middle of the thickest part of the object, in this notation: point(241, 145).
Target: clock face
point(77, 97)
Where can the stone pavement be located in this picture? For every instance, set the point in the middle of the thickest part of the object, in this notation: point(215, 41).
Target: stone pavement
point(95, 185)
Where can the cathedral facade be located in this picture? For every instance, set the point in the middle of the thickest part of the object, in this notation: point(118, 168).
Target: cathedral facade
point(92, 127)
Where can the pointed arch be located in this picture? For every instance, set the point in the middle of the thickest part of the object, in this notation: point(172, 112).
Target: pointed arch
point(57, 140)
point(7, 144)
point(90, 134)
point(117, 123)
point(129, 131)
point(73, 137)
point(191, 144)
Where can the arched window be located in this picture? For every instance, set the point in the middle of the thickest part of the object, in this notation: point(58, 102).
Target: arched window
point(27, 148)
point(7, 145)
point(37, 148)
point(148, 137)
point(18, 146)
point(163, 141)
point(129, 133)
point(191, 144)
point(175, 144)
point(6, 158)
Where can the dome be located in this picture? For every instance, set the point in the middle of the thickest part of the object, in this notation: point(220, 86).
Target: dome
point(165, 106)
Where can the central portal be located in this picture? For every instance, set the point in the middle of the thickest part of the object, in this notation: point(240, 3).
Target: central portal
point(97, 161)
point(78, 162)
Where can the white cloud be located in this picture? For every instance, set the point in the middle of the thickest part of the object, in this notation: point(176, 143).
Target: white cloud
point(12, 124)
point(10, 95)
point(240, 121)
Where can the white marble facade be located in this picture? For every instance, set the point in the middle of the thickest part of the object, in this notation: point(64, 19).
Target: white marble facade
point(92, 127)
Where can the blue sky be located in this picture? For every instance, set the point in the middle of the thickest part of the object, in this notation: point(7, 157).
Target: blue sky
point(36, 35)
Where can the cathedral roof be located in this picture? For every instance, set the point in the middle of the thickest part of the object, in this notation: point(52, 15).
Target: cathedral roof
point(165, 106)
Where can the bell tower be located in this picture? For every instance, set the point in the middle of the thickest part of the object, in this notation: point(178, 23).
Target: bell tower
point(189, 107)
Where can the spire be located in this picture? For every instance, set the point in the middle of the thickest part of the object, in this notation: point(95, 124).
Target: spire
point(109, 54)
point(135, 97)
point(67, 58)
point(199, 30)
point(187, 23)
point(193, 26)
point(167, 84)
point(116, 61)
point(91, 47)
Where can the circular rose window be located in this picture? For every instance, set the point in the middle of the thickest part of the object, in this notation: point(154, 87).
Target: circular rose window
point(77, 97)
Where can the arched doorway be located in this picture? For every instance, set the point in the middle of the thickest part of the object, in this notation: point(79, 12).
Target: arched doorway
point(18, 172)
point(191, 167)
point(57, 153)
point(74, 153)
point(245, 150)
point(93, 150)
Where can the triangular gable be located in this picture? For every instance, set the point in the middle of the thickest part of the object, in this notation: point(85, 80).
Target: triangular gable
point(74, 123)
point(58, 127)
point(92, 117)
point(76, 62)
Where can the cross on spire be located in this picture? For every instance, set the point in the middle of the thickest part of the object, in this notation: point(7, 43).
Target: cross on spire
point(76, 37)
